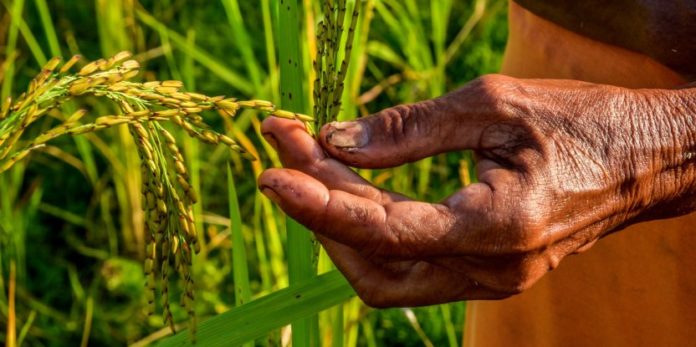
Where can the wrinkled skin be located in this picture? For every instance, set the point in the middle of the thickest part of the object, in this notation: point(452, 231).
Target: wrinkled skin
point(560, 164)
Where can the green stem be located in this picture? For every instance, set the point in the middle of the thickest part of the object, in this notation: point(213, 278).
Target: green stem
point(47, 24)
point(292, 77)
point(240, 266)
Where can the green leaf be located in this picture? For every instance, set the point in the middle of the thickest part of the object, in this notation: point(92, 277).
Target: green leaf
point(242, 289)
point(205, 59)
point(293, 97)
point(257, 318)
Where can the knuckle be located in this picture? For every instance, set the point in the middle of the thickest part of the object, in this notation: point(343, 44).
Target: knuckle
point(509, 101)
point(510, 117)
point(403, 122)
point(391, 121)
point(494, 91)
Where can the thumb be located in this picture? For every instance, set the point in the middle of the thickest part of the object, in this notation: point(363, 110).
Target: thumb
point(404, 133)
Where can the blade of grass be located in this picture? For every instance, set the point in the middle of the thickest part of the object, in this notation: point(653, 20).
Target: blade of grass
point(11, 336)
point(114, 38)
point(257, 318)
point(369, 333)
point(356, 70)
point(338, 327)
point(264, 267)
point(62, 214)
point(271, 219)
point(188, 69)
point(111, 26)
point(243, 43)
point(25, 328)
point(352, 317)
point(293, 98)
point(413, 321)
point(240, 267)
point(10, 48)
point(87, 328)
point(169, 56)
point(4, 309)
point(449, 325)
point(453, 49)
point(440, 11)
point(86, 154)
point(382, 51)
point(83, 145)
point(30, 40)
point(49, 28)
point(331, 322)
point(275, 245)
point(7, 185)
point(270, 49)
point(13, 220)
point(69, 108)
point(235, 80)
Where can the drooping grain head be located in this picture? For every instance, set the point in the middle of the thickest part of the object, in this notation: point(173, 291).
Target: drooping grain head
point(167, 192)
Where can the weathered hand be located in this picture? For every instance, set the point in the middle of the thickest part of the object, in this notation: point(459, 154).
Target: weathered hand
point(560, 164)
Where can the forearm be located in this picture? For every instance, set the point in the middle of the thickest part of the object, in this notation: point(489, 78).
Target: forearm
point(670, 126)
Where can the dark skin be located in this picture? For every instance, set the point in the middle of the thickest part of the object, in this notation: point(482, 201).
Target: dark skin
point(561, 164)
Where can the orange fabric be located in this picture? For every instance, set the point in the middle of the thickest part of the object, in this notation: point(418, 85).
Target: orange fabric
point(634, 288)
point(538, 48)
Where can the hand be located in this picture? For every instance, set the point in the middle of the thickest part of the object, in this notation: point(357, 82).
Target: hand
point(560, 165)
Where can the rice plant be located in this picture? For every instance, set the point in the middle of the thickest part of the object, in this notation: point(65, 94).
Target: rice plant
point(329, 68)
point(80, 209)
point(167, 192)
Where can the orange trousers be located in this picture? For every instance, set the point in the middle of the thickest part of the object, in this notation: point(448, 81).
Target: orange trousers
point(633, 288)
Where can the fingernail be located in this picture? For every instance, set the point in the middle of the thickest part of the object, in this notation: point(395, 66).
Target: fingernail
point(271, 194)
point(347, 135)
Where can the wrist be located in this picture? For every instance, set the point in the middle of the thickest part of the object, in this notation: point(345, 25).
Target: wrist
point(668, 123)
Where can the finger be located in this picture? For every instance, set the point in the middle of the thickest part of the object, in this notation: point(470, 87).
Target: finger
point(294, 145)
point(408, 133)
point(341, 216)
point(403, 283)
point(404, 229)
point(298, 150)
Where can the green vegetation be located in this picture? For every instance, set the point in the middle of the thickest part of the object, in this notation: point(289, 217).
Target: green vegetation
point(73, 233)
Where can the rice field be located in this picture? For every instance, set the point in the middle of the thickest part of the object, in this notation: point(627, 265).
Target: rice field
point(129, 213)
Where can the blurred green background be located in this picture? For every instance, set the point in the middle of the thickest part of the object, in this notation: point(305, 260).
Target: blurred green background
point(70, 220)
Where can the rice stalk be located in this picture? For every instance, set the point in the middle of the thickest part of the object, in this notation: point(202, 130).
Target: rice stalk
point(330, 71)
point(168, 195)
